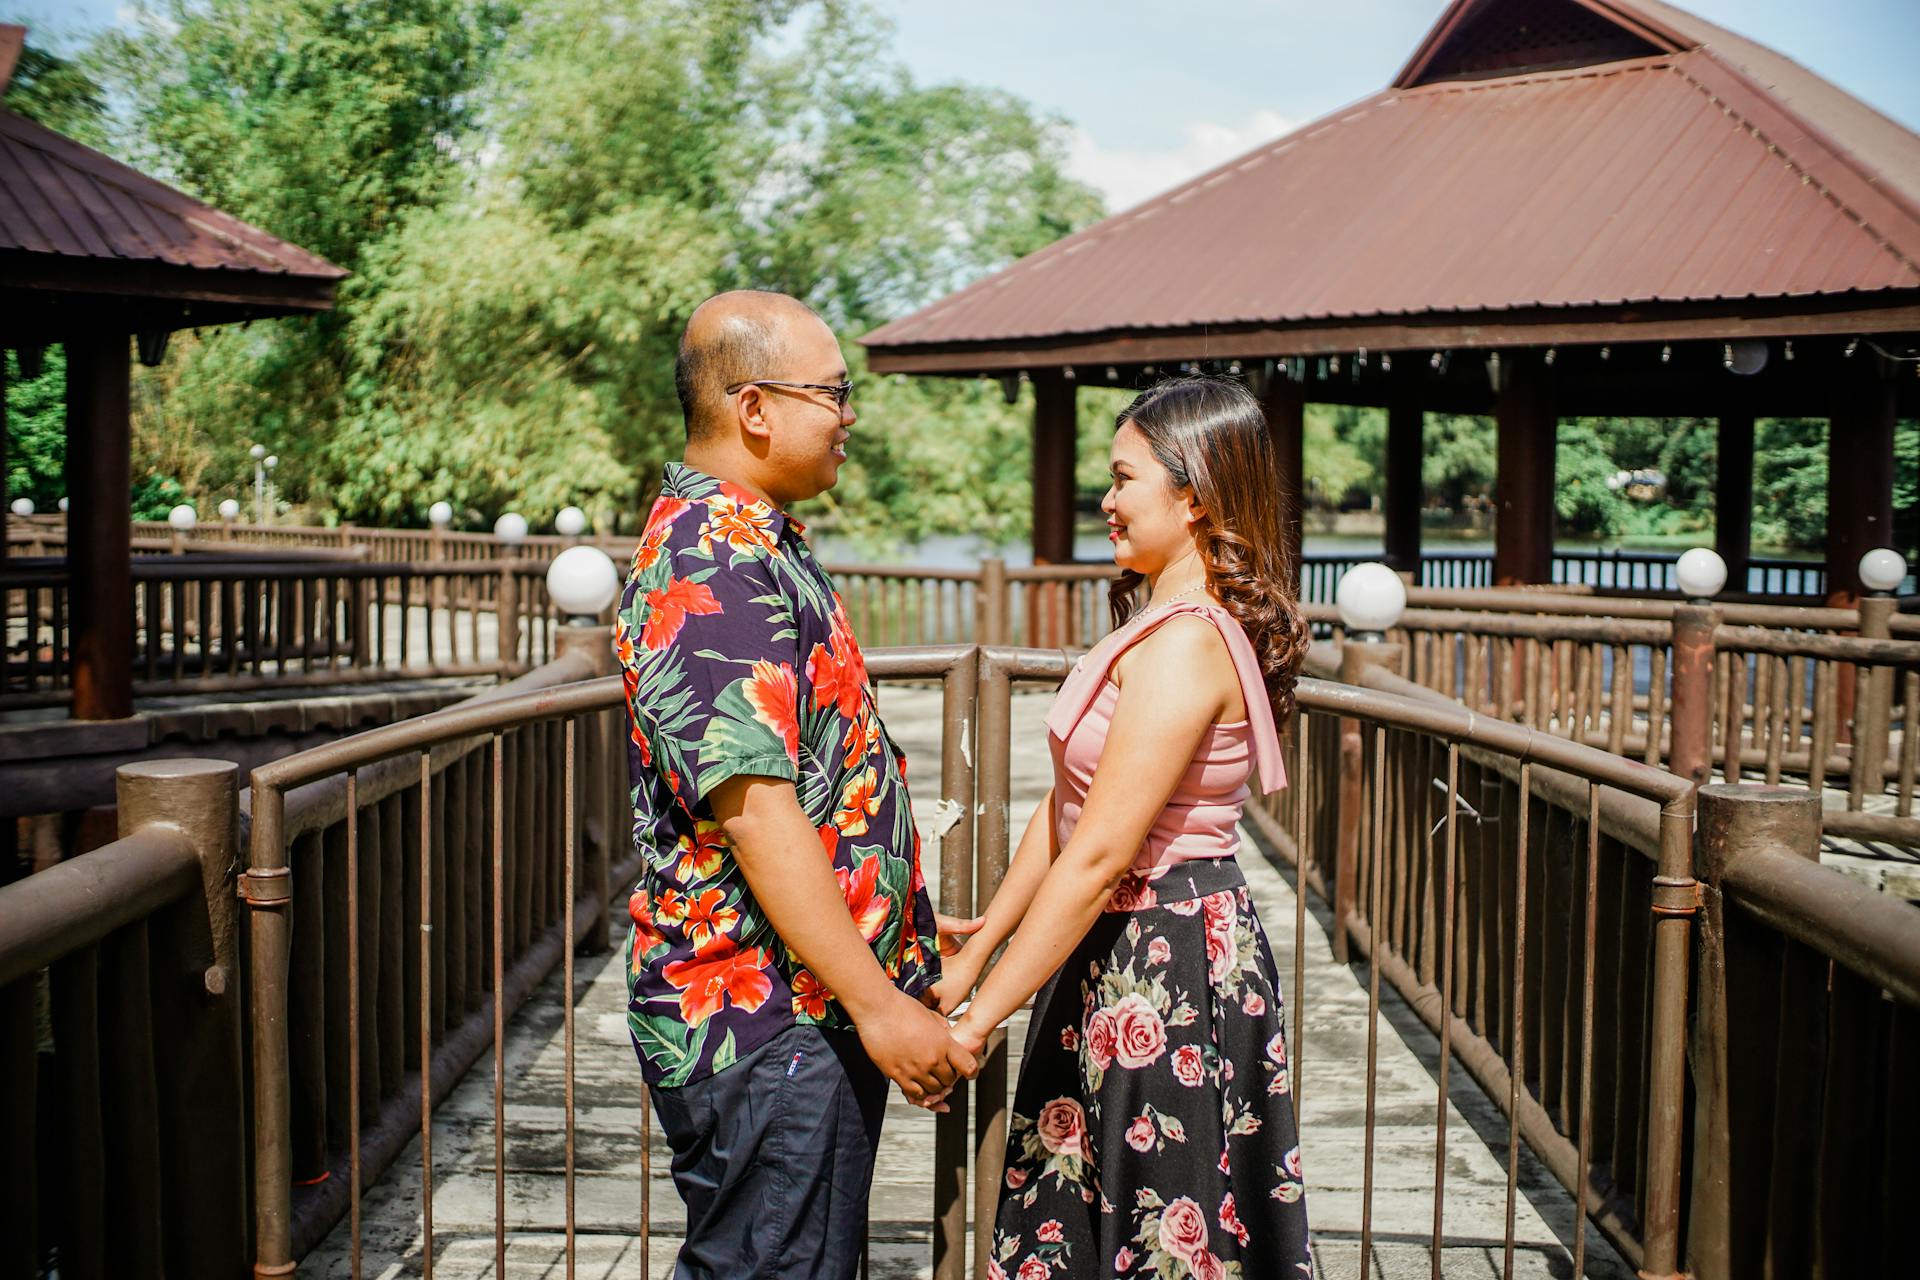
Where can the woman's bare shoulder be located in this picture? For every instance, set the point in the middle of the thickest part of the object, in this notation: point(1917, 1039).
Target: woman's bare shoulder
point(1186, 651)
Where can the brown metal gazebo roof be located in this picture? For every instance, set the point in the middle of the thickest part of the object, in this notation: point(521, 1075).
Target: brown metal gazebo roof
point(1540, 166)
point(83, 236)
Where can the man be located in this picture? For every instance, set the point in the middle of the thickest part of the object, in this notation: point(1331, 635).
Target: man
point(782, 936)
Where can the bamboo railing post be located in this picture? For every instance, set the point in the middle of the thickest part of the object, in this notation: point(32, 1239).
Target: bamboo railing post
point(199, 990)
point(1873, 707)
point(507, 618)
point(1691, 753)
point(1356, 656)
point(1735, 822)
point(992, 605)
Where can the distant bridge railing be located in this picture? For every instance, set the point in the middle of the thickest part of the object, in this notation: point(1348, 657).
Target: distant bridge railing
point(1826, 698)
point(210, 623)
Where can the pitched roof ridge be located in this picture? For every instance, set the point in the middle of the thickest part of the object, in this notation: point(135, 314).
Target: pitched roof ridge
point(1043, 257)
point(101, 168)
point(1901, 200)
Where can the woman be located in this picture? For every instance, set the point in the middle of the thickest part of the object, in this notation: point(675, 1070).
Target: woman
point(1152, 1131)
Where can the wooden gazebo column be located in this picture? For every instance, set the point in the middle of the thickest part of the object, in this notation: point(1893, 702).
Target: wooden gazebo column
point(1859, 479)
point(1286, 406)
point(1055, 435)
point(1733, 496)
point(1523, 484)
point(1406, 490)
point(100, 527)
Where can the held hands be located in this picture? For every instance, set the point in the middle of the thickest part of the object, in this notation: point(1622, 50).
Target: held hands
point(911, 1045)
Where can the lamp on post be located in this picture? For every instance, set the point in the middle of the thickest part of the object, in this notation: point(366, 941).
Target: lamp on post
point(1701, 574)
point(511, 528)
point(582, 581)
point(21, 506)
point(570, 523)
point(1882, 570)
point(263, 462)
point(182, 520)
point(1371, 597)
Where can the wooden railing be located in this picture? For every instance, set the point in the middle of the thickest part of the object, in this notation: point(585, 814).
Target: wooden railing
point(213, 623)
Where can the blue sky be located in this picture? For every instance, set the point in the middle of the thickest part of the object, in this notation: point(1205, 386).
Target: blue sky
point(1156, 91)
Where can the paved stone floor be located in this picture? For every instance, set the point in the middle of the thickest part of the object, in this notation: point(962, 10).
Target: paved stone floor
point(609, 1191)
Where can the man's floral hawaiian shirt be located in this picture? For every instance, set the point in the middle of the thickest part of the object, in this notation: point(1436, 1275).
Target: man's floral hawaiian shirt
point(739, 660)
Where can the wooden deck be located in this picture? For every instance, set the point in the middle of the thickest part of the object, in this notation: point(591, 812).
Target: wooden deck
point(610, 1191)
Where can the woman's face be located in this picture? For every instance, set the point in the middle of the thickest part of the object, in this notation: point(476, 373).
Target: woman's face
point(1148, 520)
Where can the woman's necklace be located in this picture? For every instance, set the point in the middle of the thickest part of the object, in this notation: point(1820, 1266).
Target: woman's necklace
point(1155, 608)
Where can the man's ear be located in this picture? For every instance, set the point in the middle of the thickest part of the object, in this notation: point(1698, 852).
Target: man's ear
point(750, 412)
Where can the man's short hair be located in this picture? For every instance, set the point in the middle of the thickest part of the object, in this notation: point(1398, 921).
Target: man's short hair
point(747, 340)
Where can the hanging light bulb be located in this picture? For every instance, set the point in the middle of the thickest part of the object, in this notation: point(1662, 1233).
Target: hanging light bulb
point(1113, 374)
point(1666, 353)
point(1606, 353)
point(1363, 358)
point(1551, 353)
point(1853, 345)
point(1333, 364)
point(1435, 361)
point(1386, 362)
point(1788, 352)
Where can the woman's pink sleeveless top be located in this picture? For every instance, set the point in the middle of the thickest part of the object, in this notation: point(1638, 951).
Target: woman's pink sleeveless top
point(1201, 819)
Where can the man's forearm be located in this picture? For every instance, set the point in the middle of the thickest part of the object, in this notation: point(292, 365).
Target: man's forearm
point(779, 853)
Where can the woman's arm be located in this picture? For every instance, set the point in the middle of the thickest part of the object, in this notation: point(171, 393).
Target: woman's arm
point(1172, 696)
point(1036, 853)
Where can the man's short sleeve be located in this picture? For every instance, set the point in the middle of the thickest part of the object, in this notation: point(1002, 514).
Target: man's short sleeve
point(712, 655)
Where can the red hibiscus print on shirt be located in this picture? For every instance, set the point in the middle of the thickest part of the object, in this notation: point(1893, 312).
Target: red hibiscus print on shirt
point(772, 693)
point(717, 975)
point(709, 916)
point(671, 606)
point(870, 909)
point(838, 671)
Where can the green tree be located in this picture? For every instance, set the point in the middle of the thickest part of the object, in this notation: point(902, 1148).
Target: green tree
point(58, 92)
point(1582, 499)
point(1790, 483)
point(1461, 457)
point(37, 430)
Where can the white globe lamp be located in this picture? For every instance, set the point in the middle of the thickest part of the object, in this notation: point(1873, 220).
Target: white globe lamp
point(1371, 597)
point(1883, 569)
point(183, 518)
point(1701, 573)
point(229, 509)
point(571, 522)
point(582, 582)
point(63, 506)
point(22, 506)
point(258, 452)
point(511, 528)
point(440, 514)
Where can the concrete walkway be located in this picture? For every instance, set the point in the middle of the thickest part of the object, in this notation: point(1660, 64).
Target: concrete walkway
point(609, 1190)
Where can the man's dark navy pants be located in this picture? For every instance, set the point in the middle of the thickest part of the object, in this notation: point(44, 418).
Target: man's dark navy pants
point(774, 1158)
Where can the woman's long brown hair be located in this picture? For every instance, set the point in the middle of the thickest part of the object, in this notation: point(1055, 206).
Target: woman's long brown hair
point(1211, 436)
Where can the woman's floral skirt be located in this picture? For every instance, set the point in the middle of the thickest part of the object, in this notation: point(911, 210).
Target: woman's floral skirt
point(1152, 1131)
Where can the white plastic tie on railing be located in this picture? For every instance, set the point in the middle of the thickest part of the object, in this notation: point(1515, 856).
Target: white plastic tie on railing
point(966, 741)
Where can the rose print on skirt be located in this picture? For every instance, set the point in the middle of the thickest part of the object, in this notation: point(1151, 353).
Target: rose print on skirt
point(1153, 1127)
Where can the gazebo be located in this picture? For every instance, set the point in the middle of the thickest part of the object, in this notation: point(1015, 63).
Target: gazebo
point(99, 257)
point(1558, 208)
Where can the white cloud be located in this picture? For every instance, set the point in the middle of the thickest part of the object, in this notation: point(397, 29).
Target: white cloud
point(1128, 175)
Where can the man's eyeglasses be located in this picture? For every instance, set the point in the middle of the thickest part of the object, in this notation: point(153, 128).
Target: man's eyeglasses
point(841, 391)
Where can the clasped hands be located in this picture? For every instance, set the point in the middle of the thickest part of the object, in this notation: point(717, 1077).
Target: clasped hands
point(916, 1046)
